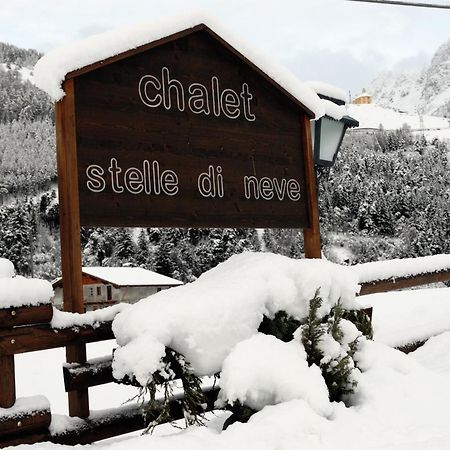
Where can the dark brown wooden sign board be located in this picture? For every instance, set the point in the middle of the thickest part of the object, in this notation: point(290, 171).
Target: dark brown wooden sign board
point(188, 134)
point(180, 132)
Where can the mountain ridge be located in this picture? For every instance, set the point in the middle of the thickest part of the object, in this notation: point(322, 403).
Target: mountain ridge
point(426, 91)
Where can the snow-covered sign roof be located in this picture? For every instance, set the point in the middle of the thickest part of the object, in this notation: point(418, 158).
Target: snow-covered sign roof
point(105, 48)
point(327, 90)
point(128, 276)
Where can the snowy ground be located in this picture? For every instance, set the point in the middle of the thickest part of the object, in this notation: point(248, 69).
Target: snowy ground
point(41, 373)
point(437, 134)
point(401, 402)
point(372, 116)
point(405, 317)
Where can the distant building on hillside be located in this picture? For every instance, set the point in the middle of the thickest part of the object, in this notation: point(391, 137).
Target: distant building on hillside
point(363, 99)
point(105, 286)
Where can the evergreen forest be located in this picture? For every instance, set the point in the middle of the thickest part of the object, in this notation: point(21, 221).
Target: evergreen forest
point(386, 197)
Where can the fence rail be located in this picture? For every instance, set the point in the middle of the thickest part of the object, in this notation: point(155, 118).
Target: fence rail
point(392, 283)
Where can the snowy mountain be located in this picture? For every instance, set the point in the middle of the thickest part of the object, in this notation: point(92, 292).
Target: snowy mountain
point(426, 91)
point(374, 116)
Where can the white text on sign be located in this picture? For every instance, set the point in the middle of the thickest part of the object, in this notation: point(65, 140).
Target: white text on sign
point(150, 179)
point(197, 97)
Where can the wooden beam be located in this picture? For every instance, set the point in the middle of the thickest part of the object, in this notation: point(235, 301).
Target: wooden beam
point(25, 423)
point(393, 284)
point(69, 211)
point(25, 315)
point(24, 439)
point(7, 381)
point(82, 376)
point(311, 235)
point(123, 420)
point(97, 372)
point(408, 348)
point(42, 337)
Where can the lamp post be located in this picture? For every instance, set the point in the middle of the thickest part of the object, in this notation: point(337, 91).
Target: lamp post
point(327, 134)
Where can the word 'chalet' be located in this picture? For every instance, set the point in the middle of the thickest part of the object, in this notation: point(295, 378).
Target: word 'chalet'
point(198, 98)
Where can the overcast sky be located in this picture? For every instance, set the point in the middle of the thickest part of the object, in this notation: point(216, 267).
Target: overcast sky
point(342, 42)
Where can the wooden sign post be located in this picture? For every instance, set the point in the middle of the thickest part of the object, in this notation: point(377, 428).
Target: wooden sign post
point(181, 132)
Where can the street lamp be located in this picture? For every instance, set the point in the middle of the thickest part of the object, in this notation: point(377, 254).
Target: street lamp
point(327, 134)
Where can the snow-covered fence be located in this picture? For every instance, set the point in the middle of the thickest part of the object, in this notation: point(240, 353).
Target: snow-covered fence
point(27, 326)
point(27, 420)
point(394, 274)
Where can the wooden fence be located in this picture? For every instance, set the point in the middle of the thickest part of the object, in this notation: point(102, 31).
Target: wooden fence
point(28, 329)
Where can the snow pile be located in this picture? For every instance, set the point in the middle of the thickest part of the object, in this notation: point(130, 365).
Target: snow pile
point(24, 407)
point(336, 112)
point(263, 370)
point(327, 90)
point(16, 291)
point(6, 268)
point(204, 320)
point(63, 319)
point(396, 268)
point(399, 405)
point(405, 317)
point(432, 354)
point(50, 71)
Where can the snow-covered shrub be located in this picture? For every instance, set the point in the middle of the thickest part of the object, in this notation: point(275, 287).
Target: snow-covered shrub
point(252, 319)
point(173, 366)
point(326, 342)
point(330, 343)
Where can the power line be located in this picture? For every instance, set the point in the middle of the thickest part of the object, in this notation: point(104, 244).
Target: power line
point(404, 3)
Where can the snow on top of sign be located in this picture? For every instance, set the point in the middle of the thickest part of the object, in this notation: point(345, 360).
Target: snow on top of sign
point(51, 69)
point(204, 320)
point(405, 317)
point(396, 268)
point(130, 276)
point(326, 89)
point(16, 291)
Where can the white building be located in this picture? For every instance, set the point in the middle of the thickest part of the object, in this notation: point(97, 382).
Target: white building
point(105, 286)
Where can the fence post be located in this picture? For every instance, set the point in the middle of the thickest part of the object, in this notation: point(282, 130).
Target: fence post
point(7, 381)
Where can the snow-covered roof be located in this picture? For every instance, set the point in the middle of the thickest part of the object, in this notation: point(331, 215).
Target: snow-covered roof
point(128, 276)
point(363, 94)
point(327, 90)
point(51, 70)
point(336, 112)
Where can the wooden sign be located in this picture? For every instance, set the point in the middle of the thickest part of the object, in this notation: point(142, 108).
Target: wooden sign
point(180, 132)
point(188, 133)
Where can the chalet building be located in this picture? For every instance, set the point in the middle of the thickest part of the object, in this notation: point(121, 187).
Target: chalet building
point(363, 99)
point(105, 286)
